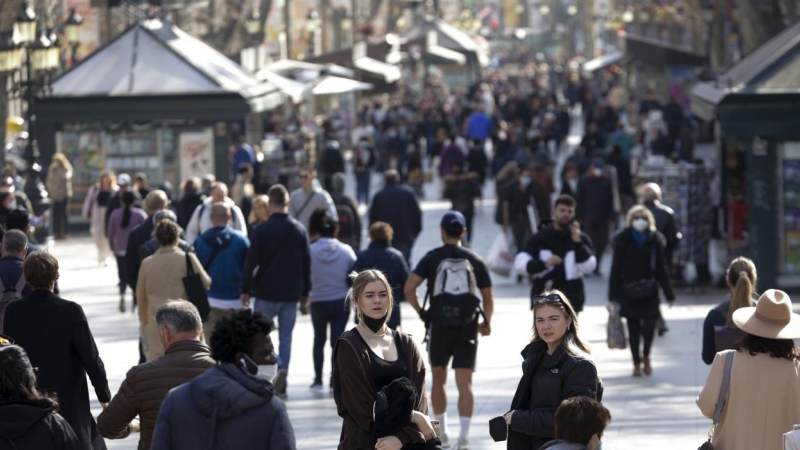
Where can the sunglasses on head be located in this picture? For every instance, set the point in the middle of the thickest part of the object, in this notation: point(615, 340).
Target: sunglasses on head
point(545, 299)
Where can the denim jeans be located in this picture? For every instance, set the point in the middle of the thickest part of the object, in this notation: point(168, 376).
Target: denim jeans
point(323, 313)
point(286, 313)
point(363, 180)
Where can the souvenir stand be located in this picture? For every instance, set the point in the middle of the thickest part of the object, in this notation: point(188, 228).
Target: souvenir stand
point(686, 189)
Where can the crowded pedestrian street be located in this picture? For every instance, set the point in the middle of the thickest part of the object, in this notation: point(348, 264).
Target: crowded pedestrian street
point(657, 412)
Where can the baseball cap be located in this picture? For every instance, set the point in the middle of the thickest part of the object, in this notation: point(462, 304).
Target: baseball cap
point(124, 179)
point(453, 220)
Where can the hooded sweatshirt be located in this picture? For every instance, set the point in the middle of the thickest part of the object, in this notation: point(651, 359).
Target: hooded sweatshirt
point(33, 424)
point(559, 444)
point(223, 408)
point(226, 269)
point(331, 261)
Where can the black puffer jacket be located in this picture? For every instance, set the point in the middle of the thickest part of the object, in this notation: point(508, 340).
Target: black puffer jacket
point(32, 424)
point(223, 408)
point(633, 262)
point(540, 392)
point(578, 259)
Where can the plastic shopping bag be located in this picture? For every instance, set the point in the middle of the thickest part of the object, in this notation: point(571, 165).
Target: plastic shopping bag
point(501, 257)
point(615, 330)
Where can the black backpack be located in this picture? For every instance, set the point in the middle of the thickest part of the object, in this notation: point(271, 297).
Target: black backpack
point(347, 223)
point(454, 300)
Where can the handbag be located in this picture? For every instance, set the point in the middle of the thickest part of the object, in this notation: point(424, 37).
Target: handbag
point(723, 392)
point(195, 291)
point(615, 330)
point(791, 440)
point(643, 289)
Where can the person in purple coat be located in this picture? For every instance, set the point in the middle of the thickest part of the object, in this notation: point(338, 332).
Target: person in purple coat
point(120, 224)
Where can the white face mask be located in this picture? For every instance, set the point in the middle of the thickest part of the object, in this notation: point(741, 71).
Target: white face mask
point(526, 180)
point(640, 225)
point(267, 372)
point(597, 172)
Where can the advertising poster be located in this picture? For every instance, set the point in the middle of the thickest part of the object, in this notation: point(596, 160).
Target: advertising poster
point(197, 153)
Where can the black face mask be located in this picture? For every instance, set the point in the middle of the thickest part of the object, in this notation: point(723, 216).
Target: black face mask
point(373, 324)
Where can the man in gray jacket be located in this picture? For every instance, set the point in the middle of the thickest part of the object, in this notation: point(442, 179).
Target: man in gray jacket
point(233, 404)
point(308, 198)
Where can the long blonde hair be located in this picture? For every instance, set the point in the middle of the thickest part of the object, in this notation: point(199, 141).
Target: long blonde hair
point(360, 282)
point(742, 279)
point(571, 341)
point(112, 179)
point(258, 200)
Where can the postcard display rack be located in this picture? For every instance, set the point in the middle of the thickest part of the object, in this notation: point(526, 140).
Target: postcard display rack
point(686, 189)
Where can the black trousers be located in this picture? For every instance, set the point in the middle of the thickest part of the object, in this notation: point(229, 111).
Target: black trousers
point(598, 232)
point(60, 221)
point(121, 273)
point(638, 328)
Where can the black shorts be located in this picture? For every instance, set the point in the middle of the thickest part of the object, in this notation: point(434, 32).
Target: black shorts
point(459, 343)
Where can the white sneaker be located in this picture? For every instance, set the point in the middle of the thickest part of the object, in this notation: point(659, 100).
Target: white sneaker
point(463, 444)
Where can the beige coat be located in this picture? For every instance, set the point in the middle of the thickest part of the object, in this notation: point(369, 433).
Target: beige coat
point(160, 280)
point(763, 401)
point(59, 182)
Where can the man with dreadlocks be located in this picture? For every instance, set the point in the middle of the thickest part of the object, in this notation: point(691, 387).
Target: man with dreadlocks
point(236, 396)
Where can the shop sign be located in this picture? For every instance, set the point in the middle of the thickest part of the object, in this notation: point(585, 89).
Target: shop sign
point(197, 153)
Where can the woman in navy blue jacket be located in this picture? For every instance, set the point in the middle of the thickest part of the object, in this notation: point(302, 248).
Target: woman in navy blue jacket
point(742, 279)
point(382, 256)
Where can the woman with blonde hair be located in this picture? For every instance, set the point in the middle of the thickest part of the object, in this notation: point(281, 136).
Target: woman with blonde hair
point(370, 357)
point(259, 213)
point(59, 187)
point(94, 210)
point(638, 269)
point(557, 365)
point(742, 279)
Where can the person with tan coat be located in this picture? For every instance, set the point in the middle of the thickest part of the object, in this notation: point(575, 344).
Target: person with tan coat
point(180, 331)
point(160, 280)
point(763, 398)
point(59, 187)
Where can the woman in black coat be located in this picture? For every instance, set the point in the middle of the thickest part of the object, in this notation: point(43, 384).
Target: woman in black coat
point(28, 419)
point(56, 335)
point(556, 366)
point(638, 269)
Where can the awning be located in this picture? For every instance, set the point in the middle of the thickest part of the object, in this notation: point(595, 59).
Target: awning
point(389, 72)
point(337, 85)
point(601, 62)
point(444, 56)
point(764, 79)
point(660, 54)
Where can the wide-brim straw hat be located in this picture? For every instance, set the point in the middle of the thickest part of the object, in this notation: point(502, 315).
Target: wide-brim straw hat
point(771, 318)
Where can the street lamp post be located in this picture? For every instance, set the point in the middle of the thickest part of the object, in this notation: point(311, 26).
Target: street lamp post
point(33, 51)
point(709, 14)
point(312, 27)
point(72, 31)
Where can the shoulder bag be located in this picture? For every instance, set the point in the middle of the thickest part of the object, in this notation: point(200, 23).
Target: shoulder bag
point(645, 288)
point(195, 291)
point(723, 392)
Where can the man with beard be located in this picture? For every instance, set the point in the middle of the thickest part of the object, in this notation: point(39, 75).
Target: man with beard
point(558, 255)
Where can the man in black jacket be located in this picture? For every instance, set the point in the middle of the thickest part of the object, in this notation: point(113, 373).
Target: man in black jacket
point(595, 207)
point(397, 205)
point(280, 258)
point(56, 335)
point(665, 219)
point(558, 255)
